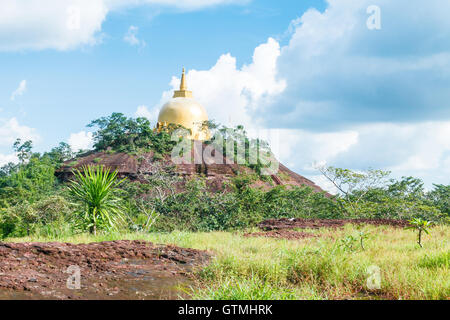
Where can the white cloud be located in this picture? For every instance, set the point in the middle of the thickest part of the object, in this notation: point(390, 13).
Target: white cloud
point(80, 141)
point(132, 39)
point(301, 148)
point(68, 24)
point(345, 95)
point(10, 130)
point(20, 90)
point(417, 149)
point(180, 4)
point(231, 94)
point(42, 24)
point(324, 183)
point(7, 158)
point(152, 115)
point(340, 73)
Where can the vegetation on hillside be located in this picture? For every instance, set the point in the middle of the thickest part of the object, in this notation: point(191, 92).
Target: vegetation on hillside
point(33, 201)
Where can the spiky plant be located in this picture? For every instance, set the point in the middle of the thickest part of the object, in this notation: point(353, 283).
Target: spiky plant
point(421, 226)
point(95, 188)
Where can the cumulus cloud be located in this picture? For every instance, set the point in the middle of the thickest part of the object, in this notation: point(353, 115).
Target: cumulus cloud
point(420, 149)
point(80, 141)
point(339, 73)
point(144, 112)
point(67, 24)
point(42, 24)
point(415, 149)
point(20, 90)
point(233, 94)
point(10, 130)
point(7, 158)
point(302, 149)
point(341, 94)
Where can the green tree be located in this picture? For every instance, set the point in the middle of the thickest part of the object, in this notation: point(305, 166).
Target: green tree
point(29, 180)
point(354, 186)
point(23, 150)
point(421, 226)
point(122, 134)
point(61, 153)
point(95, 188)
point(440, 197)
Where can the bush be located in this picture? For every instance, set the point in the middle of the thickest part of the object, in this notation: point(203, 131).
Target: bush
point(198, 209)
point(25, 218)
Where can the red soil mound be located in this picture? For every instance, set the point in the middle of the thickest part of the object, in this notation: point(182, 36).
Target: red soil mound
point(131, 166)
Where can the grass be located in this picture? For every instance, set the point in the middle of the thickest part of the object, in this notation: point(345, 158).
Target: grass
point(313, 268)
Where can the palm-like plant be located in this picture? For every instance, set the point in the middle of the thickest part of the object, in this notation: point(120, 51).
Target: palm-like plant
point(95, 188)
point(421, 226)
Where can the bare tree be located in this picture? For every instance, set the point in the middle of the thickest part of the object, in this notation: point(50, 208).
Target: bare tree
point(162, 180)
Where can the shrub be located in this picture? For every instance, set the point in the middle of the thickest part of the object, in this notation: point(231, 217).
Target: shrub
point(25, 218)
point(95, 188)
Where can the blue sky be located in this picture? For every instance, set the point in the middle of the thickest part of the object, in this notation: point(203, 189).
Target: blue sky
point(67, 89)
point(334, 90)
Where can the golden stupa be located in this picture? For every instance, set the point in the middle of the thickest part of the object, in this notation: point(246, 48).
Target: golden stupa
point(183, 110)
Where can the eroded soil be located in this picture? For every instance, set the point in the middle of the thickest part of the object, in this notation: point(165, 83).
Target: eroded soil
point(108, 270)
point(284, 223)
point(286, 228)
point(282, 234)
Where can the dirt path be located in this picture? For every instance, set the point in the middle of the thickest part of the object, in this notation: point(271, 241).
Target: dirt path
point(108, 270)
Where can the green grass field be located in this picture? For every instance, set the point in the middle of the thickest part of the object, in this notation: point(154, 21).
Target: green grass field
point(313, 268)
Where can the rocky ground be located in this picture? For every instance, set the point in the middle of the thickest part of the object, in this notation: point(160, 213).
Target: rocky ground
point(108, 270)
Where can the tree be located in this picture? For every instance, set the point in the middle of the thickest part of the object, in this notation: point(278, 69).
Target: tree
point(236, 145)
point(354, 186)
point(95, 188)
point(122, 134)
point(440, 197)
point(23, 150)
point(61, 153)
point(160, 180)
point(407, 188)
point(421, 226)
point(28, 180)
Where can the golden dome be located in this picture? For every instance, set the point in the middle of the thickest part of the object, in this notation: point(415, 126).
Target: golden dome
point(183, 110)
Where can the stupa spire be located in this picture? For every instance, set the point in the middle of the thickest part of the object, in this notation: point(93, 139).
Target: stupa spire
point(183, 82)
point(183, 92)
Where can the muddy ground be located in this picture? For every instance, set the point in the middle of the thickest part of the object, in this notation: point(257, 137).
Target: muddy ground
point(108, 270)
point(286, 228)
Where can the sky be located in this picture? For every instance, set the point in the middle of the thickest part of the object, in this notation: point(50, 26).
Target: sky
point(354, 84)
